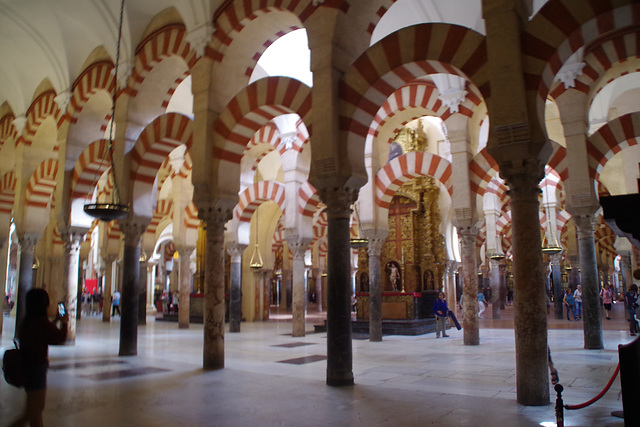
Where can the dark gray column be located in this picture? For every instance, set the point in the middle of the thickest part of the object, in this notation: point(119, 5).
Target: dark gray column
point(235, 293)
point(495, 288)
point(339, 347)
point(556, 278)
point(530, 306)
point(142, 289)
point(375, 288)
point(27, 242)
point(213, 350)
point(590, 287)
point(471, 331)
point(129, 301)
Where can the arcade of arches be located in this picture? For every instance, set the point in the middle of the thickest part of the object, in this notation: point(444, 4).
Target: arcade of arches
point(452, 143)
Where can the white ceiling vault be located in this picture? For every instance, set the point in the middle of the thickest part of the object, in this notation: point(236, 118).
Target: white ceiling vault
point(51, 39)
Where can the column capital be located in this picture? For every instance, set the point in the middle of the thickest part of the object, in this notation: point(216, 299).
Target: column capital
point(523, 179)
point(556, 259)
point(132, 230)
point(585, 224)
point(375, 246)
point(235, 251)
point(338, 200)
point(214, 211)
point(28, 241)
point(298, 245)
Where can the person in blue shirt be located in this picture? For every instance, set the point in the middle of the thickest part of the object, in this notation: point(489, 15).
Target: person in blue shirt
point(440, 309)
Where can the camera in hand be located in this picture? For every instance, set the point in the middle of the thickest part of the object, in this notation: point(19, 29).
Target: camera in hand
point(61, 309)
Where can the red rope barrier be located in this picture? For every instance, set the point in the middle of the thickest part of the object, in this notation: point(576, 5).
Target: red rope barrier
point(595, 399)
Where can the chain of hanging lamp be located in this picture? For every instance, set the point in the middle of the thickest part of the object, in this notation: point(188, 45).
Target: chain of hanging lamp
point(111, 210)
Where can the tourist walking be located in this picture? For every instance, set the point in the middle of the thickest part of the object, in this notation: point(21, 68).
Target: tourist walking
point(607, 300)
point(115, 301)
point(577, 296)
point(570, 303)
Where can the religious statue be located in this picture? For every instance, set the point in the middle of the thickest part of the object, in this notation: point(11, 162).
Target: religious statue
point(394, 276)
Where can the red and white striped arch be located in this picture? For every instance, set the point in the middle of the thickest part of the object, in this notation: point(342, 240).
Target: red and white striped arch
point(7, 192)
point(191, 220)
point(250, 110)
point(43, 107)
point(42, 184)
point(503, 226)
point(320, 227)
point(406, 167)
point(95, 78)
point(234, 16)
point(163, 209)
point(155, 143)
point(403, 57)
point(308, 199)
point(90, 166)
point(167, 41)
point(482, 169)
point(558, 161)
point(254, 195)
point(7, 129)
point(610, 139)
point(559, 29)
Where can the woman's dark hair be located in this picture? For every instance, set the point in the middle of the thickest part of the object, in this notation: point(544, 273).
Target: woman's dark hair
point(37, 303)
point(633, 288)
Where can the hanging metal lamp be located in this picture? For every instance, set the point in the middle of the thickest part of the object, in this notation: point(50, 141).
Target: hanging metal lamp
point(256, 258)
point(109, 211)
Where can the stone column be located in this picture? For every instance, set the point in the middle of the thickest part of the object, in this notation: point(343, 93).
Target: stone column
point(184, 286)
point(318, 278)
point(339, 350)
point(471, 331)
point(72, 255)
point(129, 301)
point(27, 243)
point(556, 278)
point(495, 288)
point(142, 289)
point(298, 246)
point(375, 289)
point(530, 305)
point(590, 287)
point(627, 266)
point(151, 305)
point(108, 290)
point(213, 351)
point(450, 288)
point(235, 293)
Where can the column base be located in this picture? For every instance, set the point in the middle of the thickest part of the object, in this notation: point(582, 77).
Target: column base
point(340, 382)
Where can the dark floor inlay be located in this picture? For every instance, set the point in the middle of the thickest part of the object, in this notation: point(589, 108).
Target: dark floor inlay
point(293, 344)
point(125, 373)
point(303, 360)
point(80, 365)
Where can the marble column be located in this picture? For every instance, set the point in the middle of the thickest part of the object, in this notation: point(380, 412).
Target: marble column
point(261, 298)
point(450, 287)
point(151, 305)
point(4, 247)
point(556, 278)
point(590, 287)
point(184, 286)
point(129, 301)
point(27, 242)
point(495, 288)
point(235, 293)
point(72, 254)
point(375, 289)
point(213, 350)
point(108, 282)
point(298, 246)
point(471, 331)
point(530, 305)
point(627, 268)
point(339, 347)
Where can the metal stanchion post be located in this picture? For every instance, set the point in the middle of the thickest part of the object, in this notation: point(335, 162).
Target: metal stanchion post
point(559, 406)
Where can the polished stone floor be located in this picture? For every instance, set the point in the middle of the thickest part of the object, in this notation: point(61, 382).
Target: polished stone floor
point(273, 379)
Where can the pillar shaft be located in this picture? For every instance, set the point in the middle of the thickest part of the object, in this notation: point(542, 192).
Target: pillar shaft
point(530, 322)
point(495, 289)
point(184, 287)
point(213, 351)
point(108, 288)
point(129, 301)
point(556, 279)
point(339, 350)
point(72, 254)
point(590, 286)
point(235, 293)
point(471, 331)
point(298, 246)
point(375, 289)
